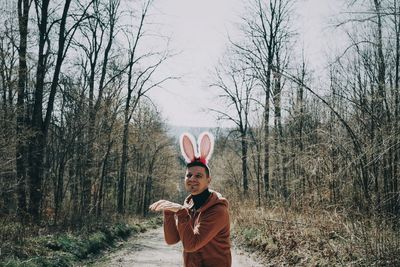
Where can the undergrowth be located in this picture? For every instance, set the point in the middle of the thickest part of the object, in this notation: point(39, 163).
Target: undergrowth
point(284, 237)
point(63, 248)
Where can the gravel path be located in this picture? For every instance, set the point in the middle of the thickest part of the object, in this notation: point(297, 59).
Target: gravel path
point(150, 250)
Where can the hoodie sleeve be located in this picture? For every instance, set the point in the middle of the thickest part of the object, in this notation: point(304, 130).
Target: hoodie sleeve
point(211, 222)
point(171, 235)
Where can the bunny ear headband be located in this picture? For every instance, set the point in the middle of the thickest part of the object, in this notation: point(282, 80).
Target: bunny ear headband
point(205, 147)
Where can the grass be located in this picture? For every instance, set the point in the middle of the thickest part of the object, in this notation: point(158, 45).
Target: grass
point(281, 236)
point(66, 248)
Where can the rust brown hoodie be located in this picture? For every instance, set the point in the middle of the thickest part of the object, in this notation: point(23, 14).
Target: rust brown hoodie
point(204, 232)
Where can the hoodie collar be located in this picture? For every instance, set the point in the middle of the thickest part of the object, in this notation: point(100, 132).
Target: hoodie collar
point(200, 199)
point(213, 199)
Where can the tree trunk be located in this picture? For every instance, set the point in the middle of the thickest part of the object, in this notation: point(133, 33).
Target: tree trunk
point(281, 170)
point(378, 102)
point(21, 150)
point(125, 138)
point(122, 172)
point(40, 127)
point(396, 200)
point(244, 145)
point(38, 140)
point(94, 106)
point(58, 198)
point(266, 145)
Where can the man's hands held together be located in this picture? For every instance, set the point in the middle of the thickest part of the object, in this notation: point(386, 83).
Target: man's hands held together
point(162, 205)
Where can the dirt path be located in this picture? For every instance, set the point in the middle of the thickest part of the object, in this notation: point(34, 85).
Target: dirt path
point(150, 250)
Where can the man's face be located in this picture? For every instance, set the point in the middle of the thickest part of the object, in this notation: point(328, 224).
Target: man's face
point(196, 180)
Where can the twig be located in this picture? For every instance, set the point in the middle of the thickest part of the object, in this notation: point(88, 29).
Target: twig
point(288, 222)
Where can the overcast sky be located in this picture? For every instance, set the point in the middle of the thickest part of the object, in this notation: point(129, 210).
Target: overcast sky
point(198, 29)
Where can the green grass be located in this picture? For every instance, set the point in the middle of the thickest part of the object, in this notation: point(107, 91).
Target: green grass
point(67, 249)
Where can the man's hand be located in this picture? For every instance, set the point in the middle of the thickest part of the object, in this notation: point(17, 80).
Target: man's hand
point(165, 205)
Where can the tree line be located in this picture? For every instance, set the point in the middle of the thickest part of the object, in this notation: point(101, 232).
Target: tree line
point(79, 136)
point(306, 142)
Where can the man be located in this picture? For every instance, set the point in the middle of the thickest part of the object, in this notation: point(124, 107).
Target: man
point(202, 222)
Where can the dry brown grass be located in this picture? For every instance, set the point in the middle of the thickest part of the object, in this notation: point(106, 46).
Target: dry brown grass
point(310, 237)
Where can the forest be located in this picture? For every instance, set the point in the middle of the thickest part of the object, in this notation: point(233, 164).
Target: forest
point(310, 165)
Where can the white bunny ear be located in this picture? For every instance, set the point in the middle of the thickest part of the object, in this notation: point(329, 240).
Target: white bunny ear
point(187, 142)
point(206, 145)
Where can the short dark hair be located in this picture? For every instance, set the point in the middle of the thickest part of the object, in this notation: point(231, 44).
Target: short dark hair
point(200, 164)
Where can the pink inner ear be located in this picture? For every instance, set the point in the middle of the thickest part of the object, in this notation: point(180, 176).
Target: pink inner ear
point(188, 148)
point(205, 146)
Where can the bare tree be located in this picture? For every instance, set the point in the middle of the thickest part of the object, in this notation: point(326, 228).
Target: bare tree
point(141, 69)
point(97, 37)
point(131, 100)
point(236, 84)
point(39, 125)
point(267, 29)
point(151, 154)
